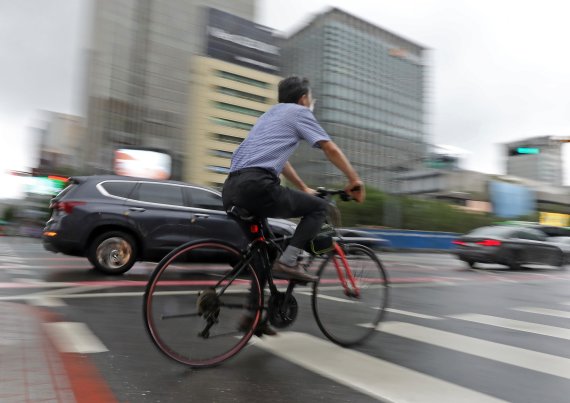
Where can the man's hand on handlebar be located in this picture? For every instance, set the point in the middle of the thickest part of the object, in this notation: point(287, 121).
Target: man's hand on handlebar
point(355, 189)
point(309, 190)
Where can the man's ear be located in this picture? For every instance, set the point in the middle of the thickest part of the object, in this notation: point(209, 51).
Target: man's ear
point(304, 100)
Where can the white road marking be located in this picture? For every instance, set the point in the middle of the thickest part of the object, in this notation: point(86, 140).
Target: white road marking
point(47, 301)
point(408, 313)
point(328, 297)
point(533, 360)
point(372, 376)
point(519, 325)
point(74, 337)
point(544, 311)
point(59, 293)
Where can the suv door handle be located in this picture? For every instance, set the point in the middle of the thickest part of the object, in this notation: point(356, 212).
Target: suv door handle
point(138, 209)
point(196, 216)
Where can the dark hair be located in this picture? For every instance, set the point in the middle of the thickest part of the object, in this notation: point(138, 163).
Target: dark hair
point(291, 89)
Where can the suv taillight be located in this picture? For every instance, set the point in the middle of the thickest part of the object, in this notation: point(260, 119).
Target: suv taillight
point(65, 206)
point(489, 242)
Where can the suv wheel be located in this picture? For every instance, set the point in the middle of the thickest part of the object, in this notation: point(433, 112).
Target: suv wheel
point(113, 252)
point(470, 263)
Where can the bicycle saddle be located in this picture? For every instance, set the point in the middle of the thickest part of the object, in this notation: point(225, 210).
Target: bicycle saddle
point(241, 213)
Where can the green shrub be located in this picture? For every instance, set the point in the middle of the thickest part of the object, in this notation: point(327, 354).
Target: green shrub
point(414, 214)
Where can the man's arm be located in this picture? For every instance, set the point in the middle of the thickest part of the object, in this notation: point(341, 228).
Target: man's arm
point(291, 175)
point(337, 157)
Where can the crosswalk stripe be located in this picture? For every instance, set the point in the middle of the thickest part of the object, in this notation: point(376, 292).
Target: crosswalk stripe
point(519, 325)
point(533, 360)
point(74, 337)
point(371, 376)
point(544, 311)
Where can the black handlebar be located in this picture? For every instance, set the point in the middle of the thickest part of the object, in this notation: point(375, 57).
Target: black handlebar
point(322, 192)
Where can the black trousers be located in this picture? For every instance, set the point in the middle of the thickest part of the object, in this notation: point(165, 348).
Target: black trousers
point(260, 192)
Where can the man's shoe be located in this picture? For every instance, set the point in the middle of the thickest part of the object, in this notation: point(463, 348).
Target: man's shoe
point(296, 273)
point(263, 327)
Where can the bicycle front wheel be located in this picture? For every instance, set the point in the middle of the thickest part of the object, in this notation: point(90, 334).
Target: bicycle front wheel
point(196, 301)
point(348, 313)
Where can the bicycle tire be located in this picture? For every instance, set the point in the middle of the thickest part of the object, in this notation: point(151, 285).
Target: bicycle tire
point(352, 321)
point(180, 290)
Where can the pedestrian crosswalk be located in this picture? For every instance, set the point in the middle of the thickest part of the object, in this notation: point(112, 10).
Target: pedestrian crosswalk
point(518, 325)
point(372, 376)
point(367, 371)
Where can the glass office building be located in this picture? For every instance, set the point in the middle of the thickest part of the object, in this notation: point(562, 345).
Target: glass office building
point(139, 74)
point(370, 90)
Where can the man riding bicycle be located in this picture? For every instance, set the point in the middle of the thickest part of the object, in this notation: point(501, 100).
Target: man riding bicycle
point(253, 182)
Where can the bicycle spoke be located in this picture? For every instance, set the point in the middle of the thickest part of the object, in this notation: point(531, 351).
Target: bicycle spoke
point(179, 315)
point(338, 309)
point(193, 309)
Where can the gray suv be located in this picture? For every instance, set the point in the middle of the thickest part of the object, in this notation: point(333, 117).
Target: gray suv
point(115, 221)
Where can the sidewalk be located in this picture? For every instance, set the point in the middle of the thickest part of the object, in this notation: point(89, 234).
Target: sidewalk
point(33, 370)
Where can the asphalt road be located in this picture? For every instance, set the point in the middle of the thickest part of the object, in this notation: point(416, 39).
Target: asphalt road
point(451, 334)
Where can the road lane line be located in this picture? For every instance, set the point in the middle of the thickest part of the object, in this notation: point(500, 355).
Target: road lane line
point(47, 301)
point(328, 297)
point(519, 325)
point(369, 375)
point(408, 313)
point(520, 357)
point(544, 311)
point(74, 337)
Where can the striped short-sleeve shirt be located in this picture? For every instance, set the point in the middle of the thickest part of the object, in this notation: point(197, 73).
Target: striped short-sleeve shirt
point(275, 136)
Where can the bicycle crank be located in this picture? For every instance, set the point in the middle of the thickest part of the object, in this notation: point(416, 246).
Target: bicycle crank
point(282, 310)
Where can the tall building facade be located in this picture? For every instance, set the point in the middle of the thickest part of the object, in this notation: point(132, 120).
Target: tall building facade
point(138, 75)
point(536, 158)
point(233, 84)
point(370, 90)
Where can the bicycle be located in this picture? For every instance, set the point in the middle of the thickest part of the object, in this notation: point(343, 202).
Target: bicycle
point(197, 294)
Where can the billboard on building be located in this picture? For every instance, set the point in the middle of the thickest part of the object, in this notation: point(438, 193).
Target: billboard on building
point(554, 219)
point(510, 200)
point(143, 163)
point(239, 41)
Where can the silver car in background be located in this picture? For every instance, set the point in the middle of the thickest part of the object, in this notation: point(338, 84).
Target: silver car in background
point(512, 246)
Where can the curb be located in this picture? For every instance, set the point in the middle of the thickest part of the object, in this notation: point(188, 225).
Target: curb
point(86, 383)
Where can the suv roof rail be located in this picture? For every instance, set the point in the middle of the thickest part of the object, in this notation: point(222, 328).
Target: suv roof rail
point(77, 179)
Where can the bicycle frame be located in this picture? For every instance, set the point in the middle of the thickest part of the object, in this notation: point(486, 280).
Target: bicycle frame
point(355, 292)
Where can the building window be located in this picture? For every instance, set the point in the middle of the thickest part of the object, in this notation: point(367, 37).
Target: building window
point(241, 94)
point(227, 139)
point(232, 123)
point(221, 154)
point(242, 79)
point(238, 109)
point(218, 169)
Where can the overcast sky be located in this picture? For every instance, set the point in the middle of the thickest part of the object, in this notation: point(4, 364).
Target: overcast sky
point(497, 71)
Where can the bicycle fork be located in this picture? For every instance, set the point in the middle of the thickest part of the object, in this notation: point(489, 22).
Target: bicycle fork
point(351, 290)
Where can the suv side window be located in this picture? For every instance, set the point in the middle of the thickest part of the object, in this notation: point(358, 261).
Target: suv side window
point(159, 193)
point(530, 234)
point(119, 188)
point(202, 198)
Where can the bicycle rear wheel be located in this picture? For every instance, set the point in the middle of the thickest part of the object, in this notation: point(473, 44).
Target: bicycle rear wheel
point(195, 302)
point(347, 318)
